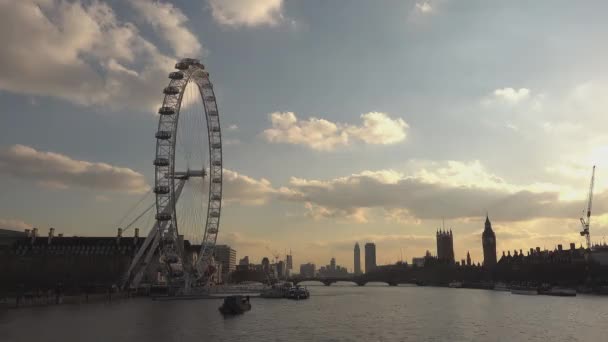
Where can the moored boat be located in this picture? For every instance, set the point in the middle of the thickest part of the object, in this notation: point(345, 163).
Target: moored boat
point(234, 305)
point(524, 290)
point(277, 290)
point(501, 287)
point(455, 284)
point(559, 291)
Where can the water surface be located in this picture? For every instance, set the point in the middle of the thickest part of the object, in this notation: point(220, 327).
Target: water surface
point(335, 313)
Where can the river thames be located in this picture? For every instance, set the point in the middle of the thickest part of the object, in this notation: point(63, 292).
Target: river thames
point(335, 313)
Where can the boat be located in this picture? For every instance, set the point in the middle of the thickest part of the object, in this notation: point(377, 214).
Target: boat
point(298, 292)
point(455, 284)
point(524, 290)
point(501, 287)
point(559, 291)
point(235, 305)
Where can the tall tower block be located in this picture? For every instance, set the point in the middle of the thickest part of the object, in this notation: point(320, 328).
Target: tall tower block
point(370, 257)
point(357, 263)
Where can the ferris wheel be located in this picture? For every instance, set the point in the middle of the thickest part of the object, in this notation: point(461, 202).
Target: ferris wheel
point(188, 180)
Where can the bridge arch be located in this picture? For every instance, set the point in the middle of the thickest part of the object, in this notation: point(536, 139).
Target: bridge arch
point(308, 282)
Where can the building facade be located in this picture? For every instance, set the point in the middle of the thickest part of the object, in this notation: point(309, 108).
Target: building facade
point(445, 246)
point(370, 257)
point(226, 256)
point(266, 265)
point(488, 240)
point(357, 263)
point(308, 270)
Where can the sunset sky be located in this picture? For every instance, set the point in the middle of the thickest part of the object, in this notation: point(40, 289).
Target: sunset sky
point(342, 121)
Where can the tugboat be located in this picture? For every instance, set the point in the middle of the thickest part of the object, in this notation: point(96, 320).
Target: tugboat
point(235, 305)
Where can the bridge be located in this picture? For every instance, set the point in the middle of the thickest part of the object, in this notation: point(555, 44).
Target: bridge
point(359, 280)
point(392, 275)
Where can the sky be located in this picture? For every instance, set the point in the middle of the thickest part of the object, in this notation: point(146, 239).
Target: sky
point(342, 121)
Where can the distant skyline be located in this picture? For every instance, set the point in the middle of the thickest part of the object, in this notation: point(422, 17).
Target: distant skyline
point(343, 121)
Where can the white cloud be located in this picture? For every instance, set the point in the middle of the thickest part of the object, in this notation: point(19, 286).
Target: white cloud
point(60, 171)
point(324, 135)
point(169, 22)
point(233, 128)
point(379, 128)
point(424, 7)
point(91, 57)
point(512, 96)
point(14, 224)
point(318, 134)
point(237, 13)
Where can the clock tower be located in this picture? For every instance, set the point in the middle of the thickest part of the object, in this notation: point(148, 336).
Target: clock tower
point(488, 240)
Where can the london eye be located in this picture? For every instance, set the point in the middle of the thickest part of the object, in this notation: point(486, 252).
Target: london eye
point(188, 180)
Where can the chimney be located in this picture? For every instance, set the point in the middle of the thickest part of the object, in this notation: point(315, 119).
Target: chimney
point(136, 236)
point(118, 235)
point(537, 249)
point(27, 233)
point(60, 235)
point(51, 234)
point(572, 246)
point(559, 247)
point(34, 234)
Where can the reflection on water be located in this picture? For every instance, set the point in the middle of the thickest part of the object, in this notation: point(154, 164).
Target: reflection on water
point(335, 313)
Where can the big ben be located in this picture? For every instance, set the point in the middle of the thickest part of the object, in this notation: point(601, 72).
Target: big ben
point(488, 240)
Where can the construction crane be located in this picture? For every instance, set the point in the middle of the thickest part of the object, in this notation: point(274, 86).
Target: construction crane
point(585, 223)
point(275, 254)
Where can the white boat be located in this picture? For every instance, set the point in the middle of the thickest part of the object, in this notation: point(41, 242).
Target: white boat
point(455, 284)
point(298, 292)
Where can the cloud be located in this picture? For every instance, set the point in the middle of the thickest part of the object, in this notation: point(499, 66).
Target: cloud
point(250, 13)
point(13, 224)
point(379, 128)
point(317, 212)
point(318, 134)
point(60, 172)
point(91, 58)
point(512, 96)
point(385, 240)
point(323, 135)
point(451, 190)
point(424, 7)
point(242, 189)
point(233, 128)
point(238, 240)
point(169, 22)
